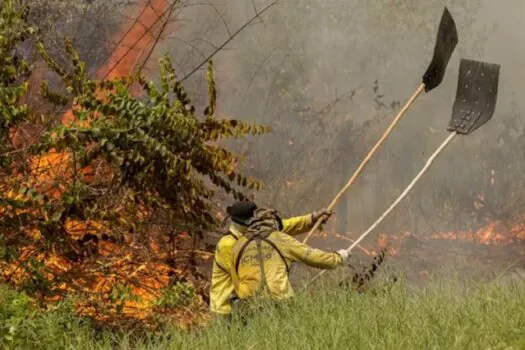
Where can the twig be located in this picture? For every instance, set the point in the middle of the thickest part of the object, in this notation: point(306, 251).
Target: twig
point(369, 156)
point(161, 31)
point(136, 41)
point(507, 269)
point(127, 32)
point(227, 41)
point(221, 17)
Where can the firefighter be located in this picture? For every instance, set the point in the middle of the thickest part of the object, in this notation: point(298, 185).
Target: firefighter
point(241, 214)
point(262, 256)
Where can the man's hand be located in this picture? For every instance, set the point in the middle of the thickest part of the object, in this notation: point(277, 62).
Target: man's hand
point(344, 254)
point(322, 214)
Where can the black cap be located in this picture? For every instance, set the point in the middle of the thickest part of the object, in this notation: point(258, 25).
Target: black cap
point(241, 211)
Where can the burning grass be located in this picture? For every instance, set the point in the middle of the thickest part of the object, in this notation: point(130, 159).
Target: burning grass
point(494, 233)
point(444, 315)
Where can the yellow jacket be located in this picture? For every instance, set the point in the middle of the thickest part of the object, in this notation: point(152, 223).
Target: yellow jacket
point(278, 252)
point(221, 281)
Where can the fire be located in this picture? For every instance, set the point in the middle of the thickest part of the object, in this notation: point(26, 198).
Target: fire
point(494, 233)
point(390, 242)
point(53, 171)
point(134, 41)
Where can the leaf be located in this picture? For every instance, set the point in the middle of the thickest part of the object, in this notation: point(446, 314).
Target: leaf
point(56, 216)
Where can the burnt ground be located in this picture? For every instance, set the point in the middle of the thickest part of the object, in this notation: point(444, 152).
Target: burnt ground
point(418, 259)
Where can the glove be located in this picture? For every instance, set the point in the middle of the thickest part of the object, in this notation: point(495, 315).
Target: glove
point(344, 254)
point(323, 214)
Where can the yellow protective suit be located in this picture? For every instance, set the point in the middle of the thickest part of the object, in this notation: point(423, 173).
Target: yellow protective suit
point(222, 287)
point(277, 252)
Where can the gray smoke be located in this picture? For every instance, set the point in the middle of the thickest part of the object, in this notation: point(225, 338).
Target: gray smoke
point(330, 75)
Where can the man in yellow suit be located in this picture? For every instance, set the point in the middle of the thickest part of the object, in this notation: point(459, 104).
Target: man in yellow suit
point(262, 257)
point(242, 216)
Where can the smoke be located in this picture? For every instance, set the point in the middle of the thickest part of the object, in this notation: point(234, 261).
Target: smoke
point(328, 76)
point(303, 55)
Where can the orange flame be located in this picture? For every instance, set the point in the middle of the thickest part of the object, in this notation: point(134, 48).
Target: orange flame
point(494, 233)
point(53, 171)
point(134, 41)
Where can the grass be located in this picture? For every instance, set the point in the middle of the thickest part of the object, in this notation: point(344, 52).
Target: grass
point(449, 315)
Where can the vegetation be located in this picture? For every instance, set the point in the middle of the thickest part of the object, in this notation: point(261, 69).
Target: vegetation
point(130, 163)
point(440, 316)
point(105, 186)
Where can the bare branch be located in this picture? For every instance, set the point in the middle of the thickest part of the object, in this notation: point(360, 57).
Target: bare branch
point(227, 41)
point(259, 66)
point(127, 32)
point(136, 41)
point(254, 7)
point(159, 35)
point(221, 17)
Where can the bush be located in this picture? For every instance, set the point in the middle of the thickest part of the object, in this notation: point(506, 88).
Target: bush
point(24, 326)
point(95, 203)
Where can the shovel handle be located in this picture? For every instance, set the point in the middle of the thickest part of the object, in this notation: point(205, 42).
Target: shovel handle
point(361, 166)
point(400, 198)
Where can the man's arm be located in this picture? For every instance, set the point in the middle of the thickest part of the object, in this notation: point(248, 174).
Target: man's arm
point(297, 225)
point(221, 283)
point(297, 251)
point(220, 291)
point(300, 224)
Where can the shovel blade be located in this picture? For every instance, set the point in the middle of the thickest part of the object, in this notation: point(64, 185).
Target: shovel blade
point(476, 96)
point(446, 41)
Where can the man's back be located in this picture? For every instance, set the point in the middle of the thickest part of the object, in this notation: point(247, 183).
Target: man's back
point(265, 270)
point(222, 288)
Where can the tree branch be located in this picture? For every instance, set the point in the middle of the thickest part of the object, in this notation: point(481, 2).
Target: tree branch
point(161, 31)
point(230, 38)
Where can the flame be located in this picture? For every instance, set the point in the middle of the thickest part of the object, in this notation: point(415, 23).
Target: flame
point(134, 41)
point(494, 233)
point(52, 172)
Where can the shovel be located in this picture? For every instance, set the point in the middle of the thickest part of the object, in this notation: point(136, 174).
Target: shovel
point(475, 103)
point(446, 41)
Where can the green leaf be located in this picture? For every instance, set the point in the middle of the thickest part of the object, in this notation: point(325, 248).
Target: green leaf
point(56, 216)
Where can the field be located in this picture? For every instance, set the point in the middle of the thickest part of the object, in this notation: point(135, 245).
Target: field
point(440, 315)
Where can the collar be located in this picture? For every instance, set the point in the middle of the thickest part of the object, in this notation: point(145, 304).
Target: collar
point(237, 230)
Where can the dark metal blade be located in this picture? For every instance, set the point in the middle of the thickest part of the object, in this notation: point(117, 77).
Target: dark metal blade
point(446, 41)
point(476, 96)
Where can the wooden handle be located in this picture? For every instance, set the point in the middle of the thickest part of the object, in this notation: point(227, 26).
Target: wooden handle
point(399, 199)
point(398, 117)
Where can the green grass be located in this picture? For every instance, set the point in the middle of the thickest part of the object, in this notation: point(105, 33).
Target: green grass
point(439, 316)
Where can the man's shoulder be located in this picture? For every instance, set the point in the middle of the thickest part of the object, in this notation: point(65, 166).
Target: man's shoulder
point(228, 240)
point(281, 237)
